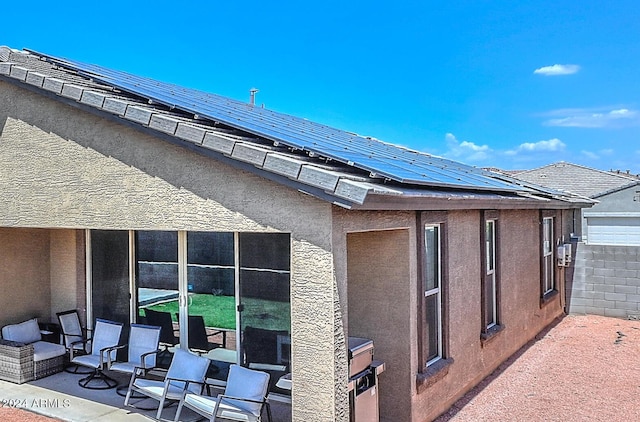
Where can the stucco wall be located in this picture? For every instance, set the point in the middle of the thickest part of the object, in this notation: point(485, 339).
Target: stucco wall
point(520, 311)
point(376, 268)
point(394, 326)
point(67, 271)
point(380, 294)
point(24, 275)
point(66, 168)
point(605, 281)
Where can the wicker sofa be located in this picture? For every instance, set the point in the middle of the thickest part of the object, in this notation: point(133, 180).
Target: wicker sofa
point(24, 356)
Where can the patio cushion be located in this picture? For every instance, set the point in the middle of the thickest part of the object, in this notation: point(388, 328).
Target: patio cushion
point(155, 388)
point(92, 361)
point(226, 410)
point(43, 350)
point(25, 332)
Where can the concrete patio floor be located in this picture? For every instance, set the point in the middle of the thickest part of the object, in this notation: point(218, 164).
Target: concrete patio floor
point(59, 396)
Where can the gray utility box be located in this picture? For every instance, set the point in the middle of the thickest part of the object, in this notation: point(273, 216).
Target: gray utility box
point(363, 381)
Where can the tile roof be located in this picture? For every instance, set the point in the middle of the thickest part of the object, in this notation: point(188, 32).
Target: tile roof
point(335, 165)
point(577, 179)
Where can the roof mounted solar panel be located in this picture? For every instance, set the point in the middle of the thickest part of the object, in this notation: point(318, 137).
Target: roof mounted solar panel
point(376, 157)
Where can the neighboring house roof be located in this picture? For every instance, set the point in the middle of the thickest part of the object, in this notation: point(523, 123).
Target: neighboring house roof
point(338, 166)
point(580, 180)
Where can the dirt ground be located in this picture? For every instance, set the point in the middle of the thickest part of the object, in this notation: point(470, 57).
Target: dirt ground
point(8, 414)
point(584, 368)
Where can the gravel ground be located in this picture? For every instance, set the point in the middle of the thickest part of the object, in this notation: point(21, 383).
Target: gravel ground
point(584, 368)
point(19, 415)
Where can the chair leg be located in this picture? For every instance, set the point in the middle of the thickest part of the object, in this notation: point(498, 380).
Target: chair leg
point(160, 408)
point(73, 368)
point(268, 406)
point(178, 411)
point(98, 376)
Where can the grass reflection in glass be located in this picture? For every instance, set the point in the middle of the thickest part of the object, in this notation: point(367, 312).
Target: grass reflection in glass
point(219, 311)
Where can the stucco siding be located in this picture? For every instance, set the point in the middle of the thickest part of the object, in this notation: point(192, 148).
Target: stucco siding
point(520, 311)
point(366, 238)
point(66, 168)
point(24, 275)
point(376, 268)
point(67, 272)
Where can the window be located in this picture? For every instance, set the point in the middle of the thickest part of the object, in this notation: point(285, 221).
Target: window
point(548, 282)
point(489, 279)
point(432, 305)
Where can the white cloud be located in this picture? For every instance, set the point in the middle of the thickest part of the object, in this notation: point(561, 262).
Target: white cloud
point(551, 145)
point(557, 69)
point(589, 154)
point(593, 118)
point(465, 150)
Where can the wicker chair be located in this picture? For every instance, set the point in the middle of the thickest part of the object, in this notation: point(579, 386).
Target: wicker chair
point(24, 342)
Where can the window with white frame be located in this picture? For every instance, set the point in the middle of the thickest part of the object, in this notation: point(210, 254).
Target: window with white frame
point(432, 304)
point(490, 277)
point(548, 282)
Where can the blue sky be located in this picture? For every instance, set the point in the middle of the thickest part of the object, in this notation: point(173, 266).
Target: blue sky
point(506, 84)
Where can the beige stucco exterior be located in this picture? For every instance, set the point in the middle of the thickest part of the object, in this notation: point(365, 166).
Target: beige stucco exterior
point(68, 169)
point(378, 277)
point(354, 273)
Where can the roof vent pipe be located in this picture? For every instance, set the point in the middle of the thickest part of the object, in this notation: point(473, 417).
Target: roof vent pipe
point(252, 96)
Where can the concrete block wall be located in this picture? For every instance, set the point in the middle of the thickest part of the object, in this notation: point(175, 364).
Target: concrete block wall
point(605, 280)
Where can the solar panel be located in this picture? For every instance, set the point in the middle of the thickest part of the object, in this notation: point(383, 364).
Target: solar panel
point(380, 159)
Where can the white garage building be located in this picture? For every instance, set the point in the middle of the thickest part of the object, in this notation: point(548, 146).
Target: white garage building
point(615, 219)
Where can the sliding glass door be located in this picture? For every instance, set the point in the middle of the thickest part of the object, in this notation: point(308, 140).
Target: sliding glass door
point(211, 302)
point(223, 295)
point(265, 311)
point(109, 270)
point(157, 283)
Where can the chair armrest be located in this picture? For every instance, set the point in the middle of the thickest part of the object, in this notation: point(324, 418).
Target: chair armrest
point(72, 348)
point(225, 396)
point(109, 350)
point(215, 383)
point(185, 380)
point(143, 358)
point(215, 333)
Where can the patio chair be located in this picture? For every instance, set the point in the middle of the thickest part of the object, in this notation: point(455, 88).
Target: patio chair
point(106, 336)
point(198, 337)
point(163, 320)
point(244, 398)
point(186, 373)
point(75, 337)
point(268, 351)
point(141, 353)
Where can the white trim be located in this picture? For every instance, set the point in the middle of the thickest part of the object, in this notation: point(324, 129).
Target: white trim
point(548, 257)
point(133, 292)
point(236, 263)
point(88, 279)
point(492, 272)
point(436, 291)
point(629, 214)
point(183, 290)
